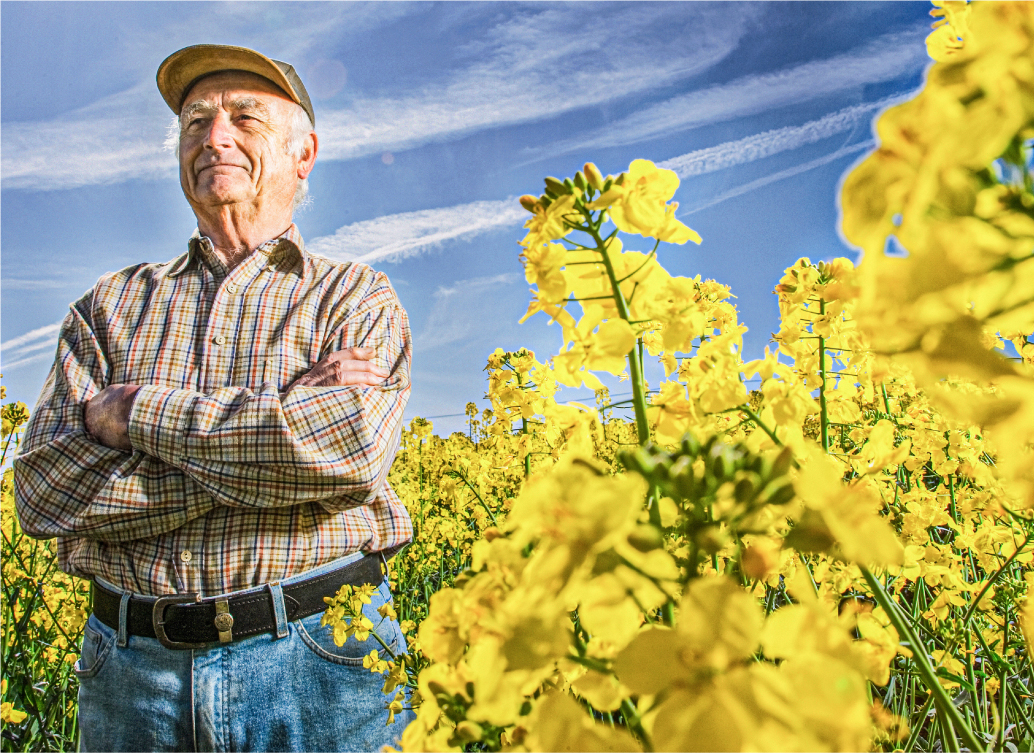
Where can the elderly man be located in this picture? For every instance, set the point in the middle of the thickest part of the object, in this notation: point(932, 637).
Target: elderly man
point(211, 447)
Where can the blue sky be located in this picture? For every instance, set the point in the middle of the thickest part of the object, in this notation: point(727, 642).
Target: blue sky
point(433, 118)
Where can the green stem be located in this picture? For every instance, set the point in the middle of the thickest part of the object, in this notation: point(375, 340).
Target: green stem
point(918, 726)
point(993, 578)
point(947, 733)
point(823, 411)
point(922, 663)
point(635, 724)
point(524, 431)
point(757, 419)
point(972, 677)
point(1018, 708)
point(488, 509)
point(1003, 687)
point(634, 365)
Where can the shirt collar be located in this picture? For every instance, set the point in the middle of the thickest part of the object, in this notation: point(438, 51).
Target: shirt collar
point(287, 247)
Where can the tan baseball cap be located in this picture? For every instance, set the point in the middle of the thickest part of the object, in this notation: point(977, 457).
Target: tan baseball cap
point(184, 68)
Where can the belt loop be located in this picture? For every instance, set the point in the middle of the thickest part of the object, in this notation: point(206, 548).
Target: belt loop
point(123, 619)
point(276, 593)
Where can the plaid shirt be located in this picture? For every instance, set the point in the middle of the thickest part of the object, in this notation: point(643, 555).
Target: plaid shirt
point(231, 484)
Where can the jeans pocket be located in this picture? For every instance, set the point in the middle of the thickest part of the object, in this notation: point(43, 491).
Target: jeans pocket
point(320, 639)
point(98, 640)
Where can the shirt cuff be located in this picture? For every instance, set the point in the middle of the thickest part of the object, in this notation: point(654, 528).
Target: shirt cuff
point(159, 420)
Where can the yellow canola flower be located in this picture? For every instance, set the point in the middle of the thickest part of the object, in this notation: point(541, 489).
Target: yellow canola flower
point(842, 515)
point(373, 662)
point(1026, 613)
point(715, 696)
point(542, 267)
point(551, 223)
point(8, 713)
point(637, 203)
point(558, 722)
point(950, 31)
point(396, 705)
point(593, 345)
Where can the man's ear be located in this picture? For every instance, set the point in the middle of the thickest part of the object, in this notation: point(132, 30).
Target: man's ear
point(307, 159)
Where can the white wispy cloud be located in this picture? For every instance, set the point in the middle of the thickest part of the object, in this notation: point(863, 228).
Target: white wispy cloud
point(10, 283)
point(16, 351)
point(84, 147)
point(780, 175)
point(397, 236)
point(462, 309)
point(540, 62)
point(883, 59)
point(768, 143)
point(536, 66)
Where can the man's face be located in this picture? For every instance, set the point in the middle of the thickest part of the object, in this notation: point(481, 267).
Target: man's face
point(234, 128)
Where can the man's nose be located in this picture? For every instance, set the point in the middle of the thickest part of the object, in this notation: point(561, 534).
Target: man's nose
point(219, 132)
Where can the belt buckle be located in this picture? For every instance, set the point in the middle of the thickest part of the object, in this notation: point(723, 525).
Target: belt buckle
point(158, 619)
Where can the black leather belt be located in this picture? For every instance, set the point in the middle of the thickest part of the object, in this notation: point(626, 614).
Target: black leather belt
point(187, 621)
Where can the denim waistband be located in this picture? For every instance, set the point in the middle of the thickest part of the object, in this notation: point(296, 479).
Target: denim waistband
point(322, 569)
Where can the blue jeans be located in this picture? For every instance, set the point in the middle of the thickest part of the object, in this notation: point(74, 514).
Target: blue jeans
point(300, 692)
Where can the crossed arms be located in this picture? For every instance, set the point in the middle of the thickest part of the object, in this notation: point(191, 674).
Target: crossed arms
point(107, 413)
point(328, 439)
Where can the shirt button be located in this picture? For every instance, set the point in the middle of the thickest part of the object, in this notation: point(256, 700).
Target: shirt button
point(231, 288)
point(219, 340)
point(186, 556)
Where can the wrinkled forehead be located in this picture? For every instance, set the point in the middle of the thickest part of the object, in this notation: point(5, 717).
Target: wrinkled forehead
point(228, 86)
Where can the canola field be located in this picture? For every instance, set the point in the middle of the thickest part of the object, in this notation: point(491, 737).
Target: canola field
point(836, 557)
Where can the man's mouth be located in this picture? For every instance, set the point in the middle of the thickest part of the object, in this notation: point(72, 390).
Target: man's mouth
point(220, 164)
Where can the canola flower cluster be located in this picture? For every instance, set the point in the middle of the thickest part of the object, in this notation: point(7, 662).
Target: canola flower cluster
point(834, 560)
point(42, 614)
point(826, 548)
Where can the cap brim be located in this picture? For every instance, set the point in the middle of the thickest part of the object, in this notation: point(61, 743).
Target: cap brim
point(182, 69)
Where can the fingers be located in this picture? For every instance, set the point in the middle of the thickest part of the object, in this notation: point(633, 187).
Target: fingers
point(346, 379)
point(354, 354)
point(343, 368)
point(355, 359)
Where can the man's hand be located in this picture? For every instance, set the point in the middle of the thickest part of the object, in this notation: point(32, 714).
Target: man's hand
point(342, 368)
point(107, 415)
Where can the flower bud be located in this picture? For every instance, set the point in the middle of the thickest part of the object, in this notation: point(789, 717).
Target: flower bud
point(593, 175)
point(529, 202)
point(556, 187)
point(579, 180)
